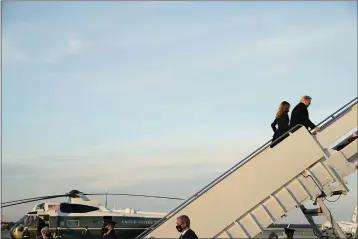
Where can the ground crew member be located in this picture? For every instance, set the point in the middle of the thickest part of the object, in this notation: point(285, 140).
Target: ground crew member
point(85, 232)
point(26, 234)
point(273, 235)
point(58, 232)
point(289, 232)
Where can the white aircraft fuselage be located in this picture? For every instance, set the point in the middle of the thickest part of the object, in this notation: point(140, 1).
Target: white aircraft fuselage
point(349, 228)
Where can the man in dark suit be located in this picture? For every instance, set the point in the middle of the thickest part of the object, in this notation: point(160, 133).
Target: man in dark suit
point(109, 230)
point(183, 226)
point(289, 232)
point(300, 115)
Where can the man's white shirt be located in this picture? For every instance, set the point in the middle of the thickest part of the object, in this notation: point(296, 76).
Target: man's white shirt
point(184, 231)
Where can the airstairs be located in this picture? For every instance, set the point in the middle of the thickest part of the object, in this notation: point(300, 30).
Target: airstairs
point(270, 182)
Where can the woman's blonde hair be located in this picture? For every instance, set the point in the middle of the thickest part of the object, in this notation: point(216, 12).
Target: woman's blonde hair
point(281, 108)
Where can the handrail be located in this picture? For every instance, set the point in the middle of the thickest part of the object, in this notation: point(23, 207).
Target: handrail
point(332, 116)
point(213, 183)
point(234, 168)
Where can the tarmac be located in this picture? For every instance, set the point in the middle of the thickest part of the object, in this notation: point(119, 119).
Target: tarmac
point(300, 233)
point(5, 235)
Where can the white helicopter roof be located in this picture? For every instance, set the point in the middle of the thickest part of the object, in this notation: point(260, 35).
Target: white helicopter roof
point(53, 209)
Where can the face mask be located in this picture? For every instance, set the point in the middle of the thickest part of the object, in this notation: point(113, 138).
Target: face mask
point(179, 228)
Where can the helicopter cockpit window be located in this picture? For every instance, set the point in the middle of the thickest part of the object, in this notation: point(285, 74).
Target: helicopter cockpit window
point(22, 220)
point(40, 206)
point(30, 221)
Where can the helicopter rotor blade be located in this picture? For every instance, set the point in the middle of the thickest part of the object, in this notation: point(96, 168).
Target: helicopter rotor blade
point(33, 200)
point(132, 195)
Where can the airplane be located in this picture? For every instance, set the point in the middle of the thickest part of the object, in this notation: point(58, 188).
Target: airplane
point(349, 228)
point(80, 211)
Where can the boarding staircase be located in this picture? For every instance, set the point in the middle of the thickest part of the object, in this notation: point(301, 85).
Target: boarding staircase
point(270, 182)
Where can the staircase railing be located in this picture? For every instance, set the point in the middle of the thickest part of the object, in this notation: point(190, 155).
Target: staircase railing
point(324, 123)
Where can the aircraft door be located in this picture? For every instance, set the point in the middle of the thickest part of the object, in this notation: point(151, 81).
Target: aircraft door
point(47, 219)
point(31, 223)
point(41, 223)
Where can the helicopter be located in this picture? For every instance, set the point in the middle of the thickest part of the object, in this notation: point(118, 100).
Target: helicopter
point(80, 212)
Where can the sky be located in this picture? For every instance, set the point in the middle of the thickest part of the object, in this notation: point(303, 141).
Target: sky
point(160, 97)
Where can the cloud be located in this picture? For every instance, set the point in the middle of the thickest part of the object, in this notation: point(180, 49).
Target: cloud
point(165, 72)
point(74, 46)
point(151, 166)
point(142, 161)
point(31, 42)
point(69, 47)
point(178, 32)
point(10, 52)
point(155, 29)
point(269, 57)
point(133, 163)
point(286, 42)
point(155, 167)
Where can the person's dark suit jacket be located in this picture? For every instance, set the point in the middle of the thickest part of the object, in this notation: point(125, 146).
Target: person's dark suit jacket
point(300, 115)
point(111, 235)
point(190, 234)
point(282, 127)
point(282, 123)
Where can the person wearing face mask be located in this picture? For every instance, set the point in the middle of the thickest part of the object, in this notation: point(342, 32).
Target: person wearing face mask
point(273, 235)
point(300, 115)
point(183, 226)
point(110, 233)
point(282, 121)
point(26, 233)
